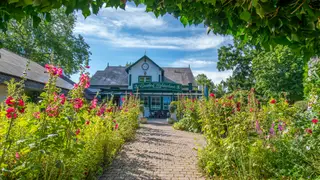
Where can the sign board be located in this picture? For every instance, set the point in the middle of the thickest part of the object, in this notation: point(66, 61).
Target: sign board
point(157, 86)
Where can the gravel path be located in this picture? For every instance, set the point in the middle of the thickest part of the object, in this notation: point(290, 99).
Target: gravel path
point(159, 152)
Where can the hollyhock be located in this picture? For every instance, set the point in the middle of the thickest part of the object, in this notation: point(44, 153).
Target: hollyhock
point(131, 94)
point(84, 80)
point(87, 66)
point(114, 121)
point(59, 72)
point(36, 115)
point(123, 99)
point(101, 110)
point(77, 103)
point(94, 103)
point(10, 101)
point(315, 121)
point(11, 113)
point(78, 131)
point(87, 122)
point(230, 97)
point(309, 131)
point(251, 109)
point(108, 110)
point(21, 103)
point(116, 126)
point(211, 95)
point(273, 101)
point(75, 86)
point(17, 156)
point(52, 111)
point(62, 99)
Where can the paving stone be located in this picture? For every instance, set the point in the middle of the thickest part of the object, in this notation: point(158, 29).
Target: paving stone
point(159, 152)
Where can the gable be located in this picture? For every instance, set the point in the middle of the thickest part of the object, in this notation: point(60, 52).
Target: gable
point(140, 61)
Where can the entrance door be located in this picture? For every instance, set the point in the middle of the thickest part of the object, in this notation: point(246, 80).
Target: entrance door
point(145, 100)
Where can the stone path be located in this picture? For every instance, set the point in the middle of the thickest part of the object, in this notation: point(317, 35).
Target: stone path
point(159, 152)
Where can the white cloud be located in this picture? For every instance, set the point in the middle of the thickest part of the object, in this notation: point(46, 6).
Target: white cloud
point(216, 77)
point(194, 63)
point(110, 27)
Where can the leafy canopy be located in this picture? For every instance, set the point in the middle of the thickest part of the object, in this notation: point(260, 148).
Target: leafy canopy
point(265, 23)
point(48, 41)
point(238, 59)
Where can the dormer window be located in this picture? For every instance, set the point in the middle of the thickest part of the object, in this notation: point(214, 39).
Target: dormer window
point(144, 79)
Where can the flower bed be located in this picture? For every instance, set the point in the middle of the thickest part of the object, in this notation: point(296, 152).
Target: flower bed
point(63, 136)
point(247, 139)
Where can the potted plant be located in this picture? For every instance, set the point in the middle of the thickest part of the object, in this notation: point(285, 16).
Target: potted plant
point(172, 110)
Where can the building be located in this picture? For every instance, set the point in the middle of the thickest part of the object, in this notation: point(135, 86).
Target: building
point(13, 66)
point(156, 86)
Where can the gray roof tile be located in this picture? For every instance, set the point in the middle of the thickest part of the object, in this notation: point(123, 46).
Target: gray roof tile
point(14, 65)
point(111, 76)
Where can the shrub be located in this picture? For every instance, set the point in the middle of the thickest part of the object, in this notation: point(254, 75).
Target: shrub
point(61, 137)
point(170, 121)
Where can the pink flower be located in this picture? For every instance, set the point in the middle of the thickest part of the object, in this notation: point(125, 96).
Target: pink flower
point(75, 86)
point(78, 131)
point(101, 110)
point(52, 111)
point(62, 99)
point(77, 103)
point(258, 129)
point(94, 103)
point(84, 80)
point(59, 72)
point(10, 101)
point(114, 121)
point(11, 113)
point(251, 110)
point(87, 66)
point(21, 103)
point(17, 156)
point(116, 126)
point(52, 70)
point(315, 121)
point(36, 115)
point(272, 130)
point(123, 99)
point(273, 101)
point(211, 95)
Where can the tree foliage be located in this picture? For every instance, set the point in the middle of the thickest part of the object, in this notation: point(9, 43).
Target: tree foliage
point(238, 59)
point(203, 80)
point(49, 40)
point(279, 71)
point(266, 23)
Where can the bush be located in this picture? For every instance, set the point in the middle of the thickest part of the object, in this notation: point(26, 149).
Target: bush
point(191, 120)
point(61, 137)
point(170, 121)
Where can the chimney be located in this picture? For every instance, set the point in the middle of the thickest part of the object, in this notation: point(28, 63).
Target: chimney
point(108, 65)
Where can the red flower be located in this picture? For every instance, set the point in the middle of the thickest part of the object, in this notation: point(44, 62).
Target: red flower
point(78, 131)
point(87, 66)
point(230, 97)
point(21, 103)
point(52, 70)
point(75, 86)
point(36, 115)
point(17, 156)
point(62, 99)
point(21, 110)
point(116, 126)
point(211, 95)
point(123, 99)
point(315, 121)
point(87, 122)
point(114, 121)
point(273, 101)
point(309, 131)
point(251, 109)
point(11, 113)
point(10, 101)
point(77, 103)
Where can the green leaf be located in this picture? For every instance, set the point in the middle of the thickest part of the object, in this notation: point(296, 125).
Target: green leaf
point(35, 21)
point(245, 15)
point(28, 2)
point(13, 1)
point(184, 20)
point(179, 6)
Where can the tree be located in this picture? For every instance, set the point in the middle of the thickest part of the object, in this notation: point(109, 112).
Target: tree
point(219, 89)
point(203, 80)
point(238, 59)
point(279, 71)
point(264, 23)
point(54, 40)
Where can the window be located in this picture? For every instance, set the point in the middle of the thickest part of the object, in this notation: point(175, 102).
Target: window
point(166, 102)
point(155, 103)
point(129, 79)
point(143, 79)
point(145, 101)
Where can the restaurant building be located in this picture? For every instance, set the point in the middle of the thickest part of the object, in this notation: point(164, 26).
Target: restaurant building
point(156, 86)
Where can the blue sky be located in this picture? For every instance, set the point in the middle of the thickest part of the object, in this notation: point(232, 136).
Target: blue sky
point(116, 36)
